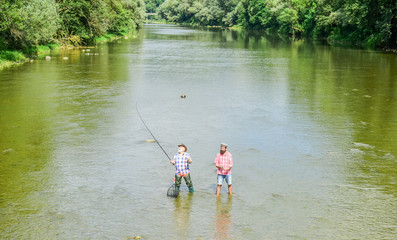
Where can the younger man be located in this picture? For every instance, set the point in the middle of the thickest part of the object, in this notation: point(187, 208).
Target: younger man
point(224, 163)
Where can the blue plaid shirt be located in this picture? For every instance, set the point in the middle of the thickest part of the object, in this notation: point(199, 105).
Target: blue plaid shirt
point(181, 163)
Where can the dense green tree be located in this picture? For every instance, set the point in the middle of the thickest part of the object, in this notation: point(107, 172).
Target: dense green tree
point(203, 12)
point(25, 23)
point(369, 21)
point(126, 15)
point(373, 22)
point(168, 10)
point(254, 14)
point(152, 5)
point(84, 18)
point(10, 22)
point(28, 22)
point(40, 20)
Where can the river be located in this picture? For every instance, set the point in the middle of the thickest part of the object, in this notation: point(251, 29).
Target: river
point(312, 129)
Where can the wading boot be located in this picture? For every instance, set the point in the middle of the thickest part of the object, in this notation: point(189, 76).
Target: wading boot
point(176, 190)
point(191, 189)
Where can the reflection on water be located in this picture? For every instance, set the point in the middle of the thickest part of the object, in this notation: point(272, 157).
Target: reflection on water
point(223, 218)
point(181, 217)
point(312, 130)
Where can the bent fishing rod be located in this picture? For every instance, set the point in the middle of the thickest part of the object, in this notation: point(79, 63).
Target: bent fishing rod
point(151, 131)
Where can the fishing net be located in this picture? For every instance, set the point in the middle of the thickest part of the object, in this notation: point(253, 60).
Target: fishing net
point(172, 191)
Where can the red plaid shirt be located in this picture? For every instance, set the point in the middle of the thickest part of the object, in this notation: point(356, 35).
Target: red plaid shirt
point(225, 161)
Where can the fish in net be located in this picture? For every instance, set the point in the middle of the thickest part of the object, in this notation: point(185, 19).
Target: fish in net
point(173, 191)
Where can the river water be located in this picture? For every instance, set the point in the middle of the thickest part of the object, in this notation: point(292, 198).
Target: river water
point(312, 130)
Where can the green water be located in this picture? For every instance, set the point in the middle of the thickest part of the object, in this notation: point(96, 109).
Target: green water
point(312, 130)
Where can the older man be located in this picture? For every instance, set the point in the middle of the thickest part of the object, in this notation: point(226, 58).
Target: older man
point(224, 163)
point(181, 161)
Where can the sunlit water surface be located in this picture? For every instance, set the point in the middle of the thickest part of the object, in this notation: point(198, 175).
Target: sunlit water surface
point(312, 130)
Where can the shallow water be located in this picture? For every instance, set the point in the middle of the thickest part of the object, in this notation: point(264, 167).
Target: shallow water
point(312, 130)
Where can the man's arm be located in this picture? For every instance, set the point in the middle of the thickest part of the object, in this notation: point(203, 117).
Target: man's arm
point(217, 162)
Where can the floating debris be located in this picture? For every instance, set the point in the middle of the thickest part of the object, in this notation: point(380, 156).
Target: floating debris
point(150, 141)
point(389, 156)
point(8, 150)
point(65, 58)
point(356, 151)
point(137, 237)
point(363, 145)
point(183, 96)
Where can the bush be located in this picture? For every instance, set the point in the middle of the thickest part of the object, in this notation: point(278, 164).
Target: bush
point(104, 38)
point(54, 46)
point(14, 56)
point(42, 49)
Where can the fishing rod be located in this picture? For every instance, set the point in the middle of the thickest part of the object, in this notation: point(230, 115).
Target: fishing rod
point(151, 132)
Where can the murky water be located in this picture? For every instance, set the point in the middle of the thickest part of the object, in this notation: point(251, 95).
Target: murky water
point(312, 129)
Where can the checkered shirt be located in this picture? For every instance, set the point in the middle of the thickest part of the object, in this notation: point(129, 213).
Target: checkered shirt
point(181, 163)
point(225, 161)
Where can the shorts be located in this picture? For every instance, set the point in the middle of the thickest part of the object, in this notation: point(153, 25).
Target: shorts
point(228, 179)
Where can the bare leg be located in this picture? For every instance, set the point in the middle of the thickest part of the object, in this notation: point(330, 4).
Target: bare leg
point(230, 189)
point(218, 190)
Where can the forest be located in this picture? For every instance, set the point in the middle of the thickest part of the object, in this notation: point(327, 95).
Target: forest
point(364, 23)
point(28, 23)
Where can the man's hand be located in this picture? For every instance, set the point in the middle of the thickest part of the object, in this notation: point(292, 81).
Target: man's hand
point(171, 161)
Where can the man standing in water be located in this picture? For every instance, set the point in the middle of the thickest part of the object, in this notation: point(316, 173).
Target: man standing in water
point(181, 161)
point(224, 163)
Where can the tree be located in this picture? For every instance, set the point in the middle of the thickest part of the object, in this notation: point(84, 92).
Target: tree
point(25, 23)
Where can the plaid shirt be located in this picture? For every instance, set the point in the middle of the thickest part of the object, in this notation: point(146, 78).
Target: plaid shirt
point(225, 161)
point(181, 163)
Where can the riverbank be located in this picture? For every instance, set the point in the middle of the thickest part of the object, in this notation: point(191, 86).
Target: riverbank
point(328, 41)
point(12, 58)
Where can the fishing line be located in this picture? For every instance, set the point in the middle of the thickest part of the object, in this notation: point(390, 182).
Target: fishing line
point(172, 190)
point(151, 132)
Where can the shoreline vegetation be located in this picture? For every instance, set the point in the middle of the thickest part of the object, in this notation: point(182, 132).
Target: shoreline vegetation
point(364, 24)
point(12, 58)
point(30, 28)
point(329, 41)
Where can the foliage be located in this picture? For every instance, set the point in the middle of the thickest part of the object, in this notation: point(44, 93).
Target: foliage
point(370, 22)
point(54, 46)
point(152, 5)
point(40, 21)
point(90, 19)
point(104, 38)
point(14, 56)
point(26, 23)
point(203, 12)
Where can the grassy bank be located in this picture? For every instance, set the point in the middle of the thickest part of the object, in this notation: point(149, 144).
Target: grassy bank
point(9, 58)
